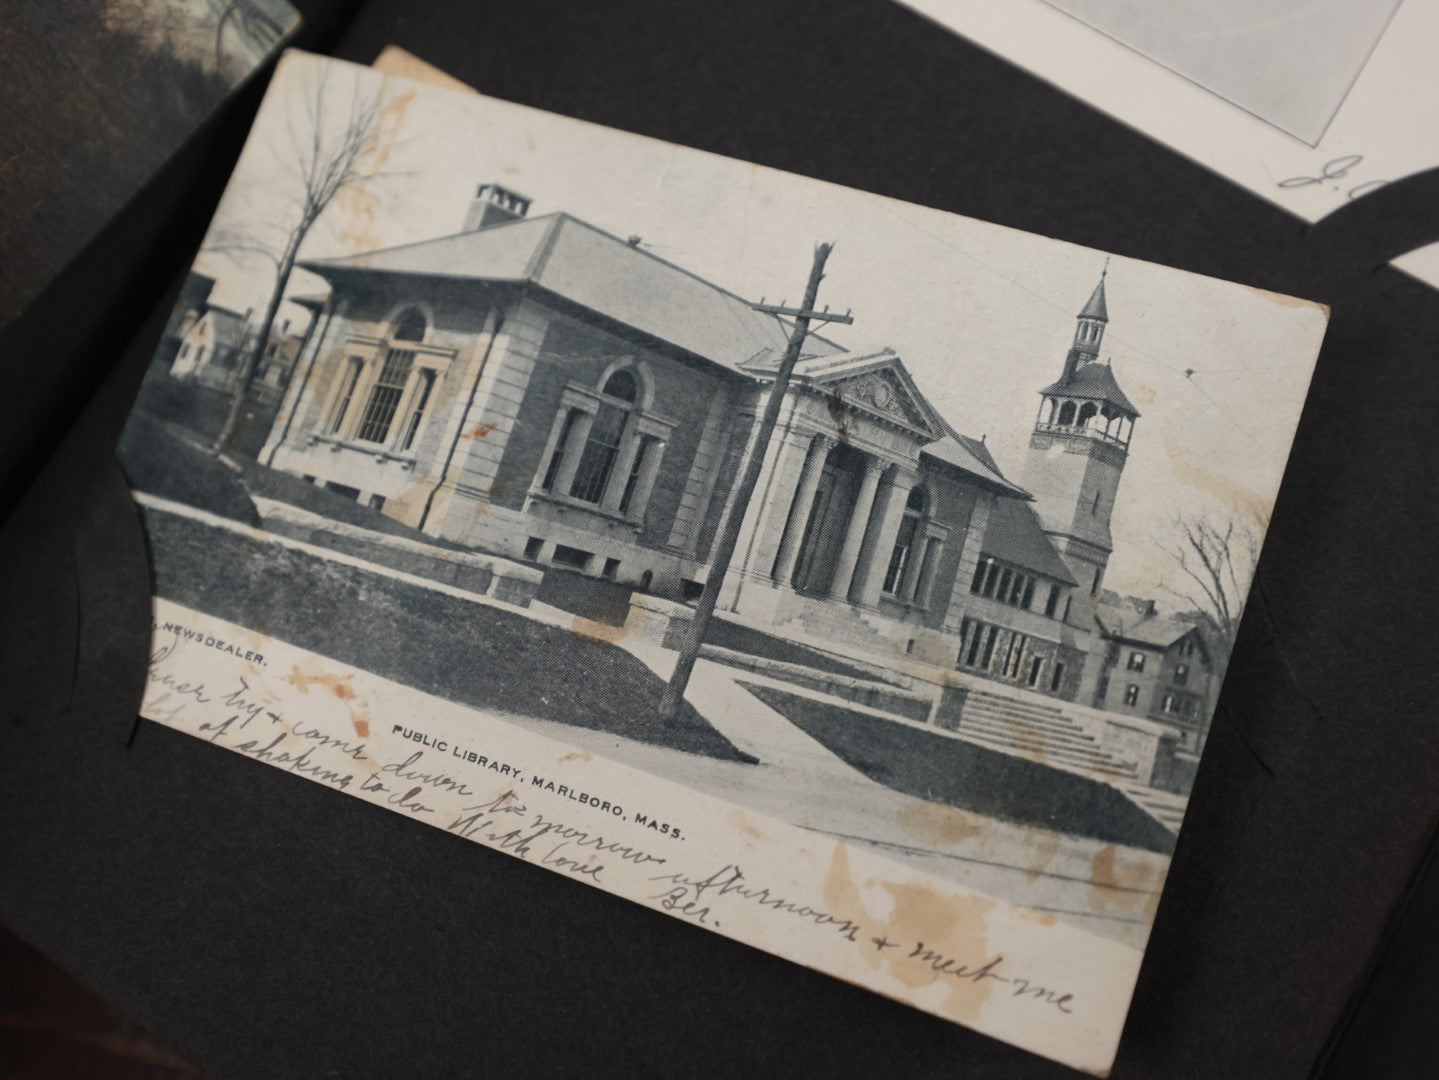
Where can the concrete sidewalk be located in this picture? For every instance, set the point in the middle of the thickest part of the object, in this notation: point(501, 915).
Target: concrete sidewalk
point(1105, 889)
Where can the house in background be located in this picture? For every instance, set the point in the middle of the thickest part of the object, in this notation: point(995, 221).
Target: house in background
point(1156, 667)
point(210, 347)
point(194, 295)
point(288, 339)
point(541, 389)
point(215, 340)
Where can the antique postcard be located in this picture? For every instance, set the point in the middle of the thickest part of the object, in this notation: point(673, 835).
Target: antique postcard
point(96, 96)
point(1308, 103)
point(848, 578)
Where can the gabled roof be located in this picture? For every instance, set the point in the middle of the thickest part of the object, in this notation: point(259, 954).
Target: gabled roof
point(1093, 381)
point(622, 281)
point(1125, 624)
point(946, 444)
point(596, 270)
point(1096, 308)
point(226, 326)
point(1014, 536)
point(972, 456)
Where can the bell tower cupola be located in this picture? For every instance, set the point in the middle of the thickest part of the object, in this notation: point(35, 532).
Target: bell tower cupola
point(1078, 450)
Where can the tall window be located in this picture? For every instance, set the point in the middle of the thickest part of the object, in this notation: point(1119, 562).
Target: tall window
point(1181, 674)
point(1035, 667)
point(1131, 694)
point(427, 384)
point(1136, 661)
point(602, 444)
point(1052, 604)
point(352, 376)
point(1066, 414)
point(385, 396)
point(904, 544)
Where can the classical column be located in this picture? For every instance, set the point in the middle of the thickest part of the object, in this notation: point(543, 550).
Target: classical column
point(574, 447)
point(764, 518)
point(845, 567)
point(800, 509)
point(889, 507)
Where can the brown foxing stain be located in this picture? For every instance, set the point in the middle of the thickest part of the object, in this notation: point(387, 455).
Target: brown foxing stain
point(574, 755)
point(396, 61)
point(741, 821)
point(1243, 500)
point(336, 684)
point(358, 207)
point(1042, 846)
point(944, 923)
point(479, 431)
point(935, 823)
point(1043, 918)
point(362, 727)
point(1145, 395)
point(1122, 884)
point(598, 630)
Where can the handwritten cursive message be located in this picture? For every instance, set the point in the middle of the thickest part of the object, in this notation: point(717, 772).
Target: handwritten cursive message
point(1336, 170)
point(486, 784)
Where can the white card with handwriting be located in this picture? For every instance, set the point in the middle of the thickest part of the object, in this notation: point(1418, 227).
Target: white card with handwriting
point(529, 479)
point(1307, 103)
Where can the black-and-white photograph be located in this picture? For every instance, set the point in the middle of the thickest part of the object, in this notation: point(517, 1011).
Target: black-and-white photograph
point(910, 530)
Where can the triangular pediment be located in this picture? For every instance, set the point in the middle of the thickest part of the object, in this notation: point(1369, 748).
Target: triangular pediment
point(880, 386)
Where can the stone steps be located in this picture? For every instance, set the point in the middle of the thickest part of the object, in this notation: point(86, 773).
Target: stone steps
point(1092, 763)
point(998, 726)
point(1037, 729)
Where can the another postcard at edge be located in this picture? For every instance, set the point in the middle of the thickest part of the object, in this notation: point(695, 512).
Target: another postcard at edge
point(1310, 105)
point(436, 511)
point(96, 96)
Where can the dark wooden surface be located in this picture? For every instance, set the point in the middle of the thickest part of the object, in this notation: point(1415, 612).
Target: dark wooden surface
point(264, 927)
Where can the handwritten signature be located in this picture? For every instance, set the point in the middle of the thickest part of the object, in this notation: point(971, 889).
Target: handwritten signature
point(1337, 169)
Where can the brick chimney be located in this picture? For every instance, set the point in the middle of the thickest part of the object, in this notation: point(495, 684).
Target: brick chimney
point(494, 205)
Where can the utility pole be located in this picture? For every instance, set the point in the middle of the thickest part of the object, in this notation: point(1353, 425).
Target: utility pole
point(725, 543)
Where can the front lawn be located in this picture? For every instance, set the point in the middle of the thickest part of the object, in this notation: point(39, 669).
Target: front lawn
point(971, 777)
point(456, 649)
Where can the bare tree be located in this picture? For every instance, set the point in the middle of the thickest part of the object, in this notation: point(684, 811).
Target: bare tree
point(1217, 561)
point(332, 151)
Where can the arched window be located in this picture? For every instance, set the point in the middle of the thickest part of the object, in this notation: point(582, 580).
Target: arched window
point(909, 537)
point(606, 431)
point(1086, 413)
point(410, 326)
point(1066, 414)
point(622, 385)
